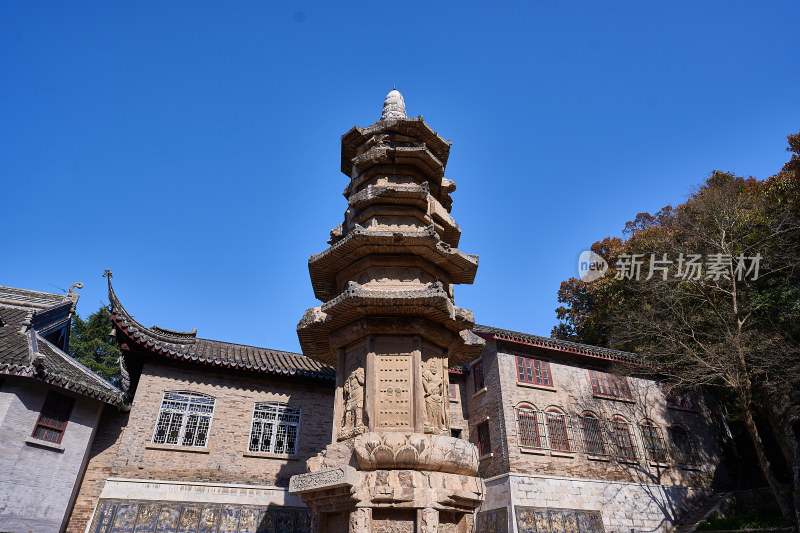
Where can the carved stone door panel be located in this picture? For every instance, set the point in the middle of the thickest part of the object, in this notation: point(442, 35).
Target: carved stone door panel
point(394, 402)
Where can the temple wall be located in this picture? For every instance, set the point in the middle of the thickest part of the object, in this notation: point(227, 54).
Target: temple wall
point(225, 458)
point(101, 461)
point(572, 393)
point(37, 480)
point(511, 499)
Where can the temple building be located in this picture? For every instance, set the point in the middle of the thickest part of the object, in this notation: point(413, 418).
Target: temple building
point(50, 407)
point(401, 415)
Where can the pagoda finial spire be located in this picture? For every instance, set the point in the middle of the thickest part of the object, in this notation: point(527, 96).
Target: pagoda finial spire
point(394, 106)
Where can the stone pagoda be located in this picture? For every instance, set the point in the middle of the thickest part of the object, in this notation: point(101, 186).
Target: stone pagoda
point(389, 325)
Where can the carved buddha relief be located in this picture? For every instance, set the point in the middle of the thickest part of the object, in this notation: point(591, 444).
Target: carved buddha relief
point(433, 388)
point(353, 392)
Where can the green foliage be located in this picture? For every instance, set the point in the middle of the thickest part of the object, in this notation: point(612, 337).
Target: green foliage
point(750, 520)
point(90, 342)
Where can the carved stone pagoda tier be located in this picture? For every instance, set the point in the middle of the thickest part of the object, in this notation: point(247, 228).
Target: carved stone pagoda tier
point(389, 325)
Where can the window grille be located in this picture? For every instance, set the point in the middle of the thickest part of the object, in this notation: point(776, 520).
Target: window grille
point(477, 375)
point(654, 448)
point(594, 441)
point(275, 428)
point(559, 431)
point(683, 446)
point(184, 419)
point(531, 428)
point(551, 430)
point(484, 441)
point(53, 417)
point(534, 371)
point(681, 399)
point(605, 384)
point(452, 391)
point(621, 431)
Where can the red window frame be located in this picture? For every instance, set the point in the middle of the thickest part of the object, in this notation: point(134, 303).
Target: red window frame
point(535, 371)
point(484, 439)
point(655, 448)
point(623, 439)
point(683, 445)
point(680, 399)
point(452, 391)
point(477, 375)
point(557, 430)
point(610, 385)
point(529, 432)
point(53, 418)
point(594, 441)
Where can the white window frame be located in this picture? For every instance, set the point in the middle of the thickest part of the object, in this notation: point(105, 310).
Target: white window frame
point(194, 404)
point(278, 410)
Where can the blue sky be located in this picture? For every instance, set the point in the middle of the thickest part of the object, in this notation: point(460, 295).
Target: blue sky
point(193, 147)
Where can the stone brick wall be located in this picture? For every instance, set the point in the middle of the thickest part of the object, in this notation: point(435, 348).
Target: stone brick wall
point(224, 458)
point(99, 468)
point(487, 405)
point(572, 393)
point(37, 481)
point(622, 506)
point(458, 406)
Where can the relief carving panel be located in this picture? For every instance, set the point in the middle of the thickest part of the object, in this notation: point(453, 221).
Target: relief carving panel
point(549, 520)
point(124, 516)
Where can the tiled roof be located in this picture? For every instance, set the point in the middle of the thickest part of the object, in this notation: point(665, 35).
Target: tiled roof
point(556, 344)
point(187, 347)
point(23, 352)
point(31, 299)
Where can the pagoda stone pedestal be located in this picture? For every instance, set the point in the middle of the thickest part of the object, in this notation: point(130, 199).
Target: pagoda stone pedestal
point(390, 326)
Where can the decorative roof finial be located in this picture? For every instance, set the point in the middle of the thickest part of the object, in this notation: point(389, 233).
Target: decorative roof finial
point(394, 106)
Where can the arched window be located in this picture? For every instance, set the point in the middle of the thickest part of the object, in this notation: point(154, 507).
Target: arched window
point(654, 448)
point(530, 425)
point(275, 428)
point(184, 419)
point(558, 430)
point(683, 445)
point(623, 440)
point(594, 441)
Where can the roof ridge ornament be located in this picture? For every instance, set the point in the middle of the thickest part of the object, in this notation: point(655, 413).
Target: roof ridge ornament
point(394, 106)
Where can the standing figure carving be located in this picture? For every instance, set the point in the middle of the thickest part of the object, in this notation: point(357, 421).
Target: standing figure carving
point(434, 403)
point(354, 400)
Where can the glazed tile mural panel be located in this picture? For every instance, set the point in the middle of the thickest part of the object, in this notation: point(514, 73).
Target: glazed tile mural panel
point(494, 521)
point(547, 520)
point(127, 516)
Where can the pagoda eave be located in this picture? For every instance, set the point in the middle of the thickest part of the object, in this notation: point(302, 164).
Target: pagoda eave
point(412, 127)
point(361, 242)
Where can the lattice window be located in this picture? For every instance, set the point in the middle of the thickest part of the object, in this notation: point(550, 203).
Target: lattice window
point(452, 391)
point(594, 441)
point(53, 417)
point(477, 375)
point(683, 446)
point(534, 371)
point(605, 384)
point(184, 419)
point(559, 431)
point(531, 427)
point(654, 447)
point(680, 399)
point(484, 440)
point(623, 440)
point(275, 428)
point(550, 430)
